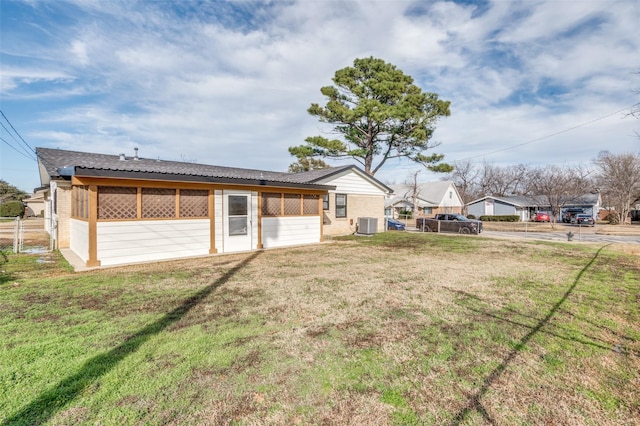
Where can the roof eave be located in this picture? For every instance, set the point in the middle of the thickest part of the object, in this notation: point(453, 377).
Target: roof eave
point(356, 169)
point(122, 174)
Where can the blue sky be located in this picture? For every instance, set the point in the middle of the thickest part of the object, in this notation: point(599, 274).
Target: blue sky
point(229, 83)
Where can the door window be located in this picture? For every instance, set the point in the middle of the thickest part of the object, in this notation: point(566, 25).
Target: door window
point(238, 214)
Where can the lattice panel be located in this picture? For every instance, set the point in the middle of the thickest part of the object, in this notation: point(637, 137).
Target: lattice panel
point(310, 204)
point(158, 203)
point(117, 203)
point(194, 203)
point(80, 202)
point(292, 204)
point(271, 204)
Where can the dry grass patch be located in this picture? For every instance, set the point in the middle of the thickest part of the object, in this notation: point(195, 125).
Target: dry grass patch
point(394, 329)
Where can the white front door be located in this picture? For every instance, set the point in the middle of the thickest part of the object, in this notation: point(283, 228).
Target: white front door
point(488, 207)
point(237, 221)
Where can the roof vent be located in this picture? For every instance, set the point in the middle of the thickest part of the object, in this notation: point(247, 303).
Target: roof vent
point(122, 157)
point(135, 157)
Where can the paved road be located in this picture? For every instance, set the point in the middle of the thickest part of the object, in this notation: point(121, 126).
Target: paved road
point(580, 234)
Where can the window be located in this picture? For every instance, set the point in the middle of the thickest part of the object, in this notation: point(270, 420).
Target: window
point(325, 202)
point(427, 210)
point(238, 214)
point(341, 205)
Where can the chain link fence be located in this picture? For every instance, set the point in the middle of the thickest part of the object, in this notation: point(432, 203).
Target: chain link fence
point(19, 235)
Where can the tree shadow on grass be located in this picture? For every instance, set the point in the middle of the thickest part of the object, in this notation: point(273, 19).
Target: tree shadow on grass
point(474, 403)
point(45, 406)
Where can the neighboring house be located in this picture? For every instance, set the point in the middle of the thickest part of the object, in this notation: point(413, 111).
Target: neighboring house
point(110, 209)
point(590, 203)
point(34, 205)
point(430, 198)
point(526, 207)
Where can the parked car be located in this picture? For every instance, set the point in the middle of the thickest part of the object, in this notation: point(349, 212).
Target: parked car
point(542, 217)
point(395, 225)
point(569, 213)
point(583, 219)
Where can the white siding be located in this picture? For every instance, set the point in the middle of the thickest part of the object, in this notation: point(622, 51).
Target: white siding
point(253, 214)
point(79, 238)
point(218, 222)
point(351, 182)
point(139, 241)
point(452, 200)
point(289, 231)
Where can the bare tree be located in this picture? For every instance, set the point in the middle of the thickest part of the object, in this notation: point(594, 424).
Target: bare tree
point(465, 177)
point(635, 109)
point(521, 183)
point(618, 178)
point(489, 177)
point(557, 186)
point(504, 181)
point(412, 182)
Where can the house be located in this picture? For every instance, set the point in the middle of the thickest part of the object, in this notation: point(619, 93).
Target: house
point(522, 206)
point(590, 204)
point(34, 205)
point(116, 209)
point(429, 198)
point(525, 207)
point(356, 195)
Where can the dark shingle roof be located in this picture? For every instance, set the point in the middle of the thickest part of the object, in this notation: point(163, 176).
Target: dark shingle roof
point(62, 163)
point(56, 159)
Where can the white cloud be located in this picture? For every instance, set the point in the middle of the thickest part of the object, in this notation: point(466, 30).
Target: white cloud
point(13, 78)
point(79, 50)
point(179, 81)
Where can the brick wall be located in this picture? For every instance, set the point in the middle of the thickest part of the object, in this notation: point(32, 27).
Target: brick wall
point(357, 206)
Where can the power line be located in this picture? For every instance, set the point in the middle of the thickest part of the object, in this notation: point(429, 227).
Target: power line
point(16, 132)
point(14, 138)
point(30, 157)
point(547, 136)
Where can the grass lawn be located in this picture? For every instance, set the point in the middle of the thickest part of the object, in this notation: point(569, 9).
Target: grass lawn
point(396, 329)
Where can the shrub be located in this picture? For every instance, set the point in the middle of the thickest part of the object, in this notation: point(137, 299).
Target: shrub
point(502, 218)
point(471, 216)
point(12, 209)
point(614, 219)
point(406, 214)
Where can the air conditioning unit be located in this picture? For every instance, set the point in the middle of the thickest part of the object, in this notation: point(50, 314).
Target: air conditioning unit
point(367, 225)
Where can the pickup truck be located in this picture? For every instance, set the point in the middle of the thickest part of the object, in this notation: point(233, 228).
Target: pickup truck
point(449, 222)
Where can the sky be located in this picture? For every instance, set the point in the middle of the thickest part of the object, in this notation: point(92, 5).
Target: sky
point(229, 83)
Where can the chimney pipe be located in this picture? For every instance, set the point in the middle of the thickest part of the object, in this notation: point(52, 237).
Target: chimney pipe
point(136, 155)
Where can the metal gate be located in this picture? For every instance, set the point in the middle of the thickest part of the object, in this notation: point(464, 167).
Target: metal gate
point(15, 232)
